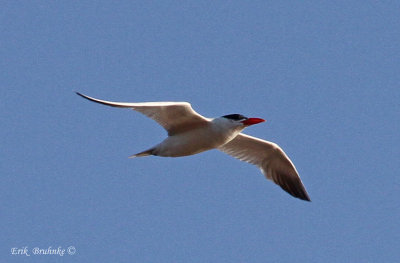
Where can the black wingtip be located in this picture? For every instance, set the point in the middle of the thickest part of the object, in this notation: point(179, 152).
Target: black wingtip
point(300, 193)
point(80, 94)
point(293, 186)
point(87, 97)
point(301, 197)
point(306, 198)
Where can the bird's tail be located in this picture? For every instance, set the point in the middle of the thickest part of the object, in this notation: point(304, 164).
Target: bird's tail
point(142, 154)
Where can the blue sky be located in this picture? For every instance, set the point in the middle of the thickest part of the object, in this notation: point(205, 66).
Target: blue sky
point(325, 75)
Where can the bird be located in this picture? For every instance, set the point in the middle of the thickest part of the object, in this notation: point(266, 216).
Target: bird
point(190, 133)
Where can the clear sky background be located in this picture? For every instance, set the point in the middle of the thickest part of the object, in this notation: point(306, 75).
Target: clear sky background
point(324, 74)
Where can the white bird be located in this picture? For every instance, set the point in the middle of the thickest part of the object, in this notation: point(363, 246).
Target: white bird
point(190, 133)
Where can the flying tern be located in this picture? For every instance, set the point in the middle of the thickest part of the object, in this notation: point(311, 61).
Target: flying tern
point(190, 133)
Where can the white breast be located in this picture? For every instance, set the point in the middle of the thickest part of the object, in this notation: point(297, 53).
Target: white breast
point(195, 141)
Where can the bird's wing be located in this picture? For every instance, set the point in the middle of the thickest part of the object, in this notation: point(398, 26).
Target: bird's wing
point(271, 159)
point(175, 117)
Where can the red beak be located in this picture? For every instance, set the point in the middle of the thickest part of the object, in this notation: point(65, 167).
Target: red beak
point(252, 121)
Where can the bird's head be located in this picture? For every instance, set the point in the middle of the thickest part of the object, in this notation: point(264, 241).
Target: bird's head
point(241, 121)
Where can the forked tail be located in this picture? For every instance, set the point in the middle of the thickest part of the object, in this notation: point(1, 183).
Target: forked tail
point(142, 154)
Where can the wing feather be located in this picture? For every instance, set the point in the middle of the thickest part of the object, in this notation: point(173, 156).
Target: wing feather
point(175, 117)
point(272, 161)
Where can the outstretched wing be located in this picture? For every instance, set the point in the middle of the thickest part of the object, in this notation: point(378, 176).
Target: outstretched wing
point(272, 161)
point(175, 117)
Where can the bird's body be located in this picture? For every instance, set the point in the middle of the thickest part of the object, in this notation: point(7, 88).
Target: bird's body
point(211, 135)
point(190, 133)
